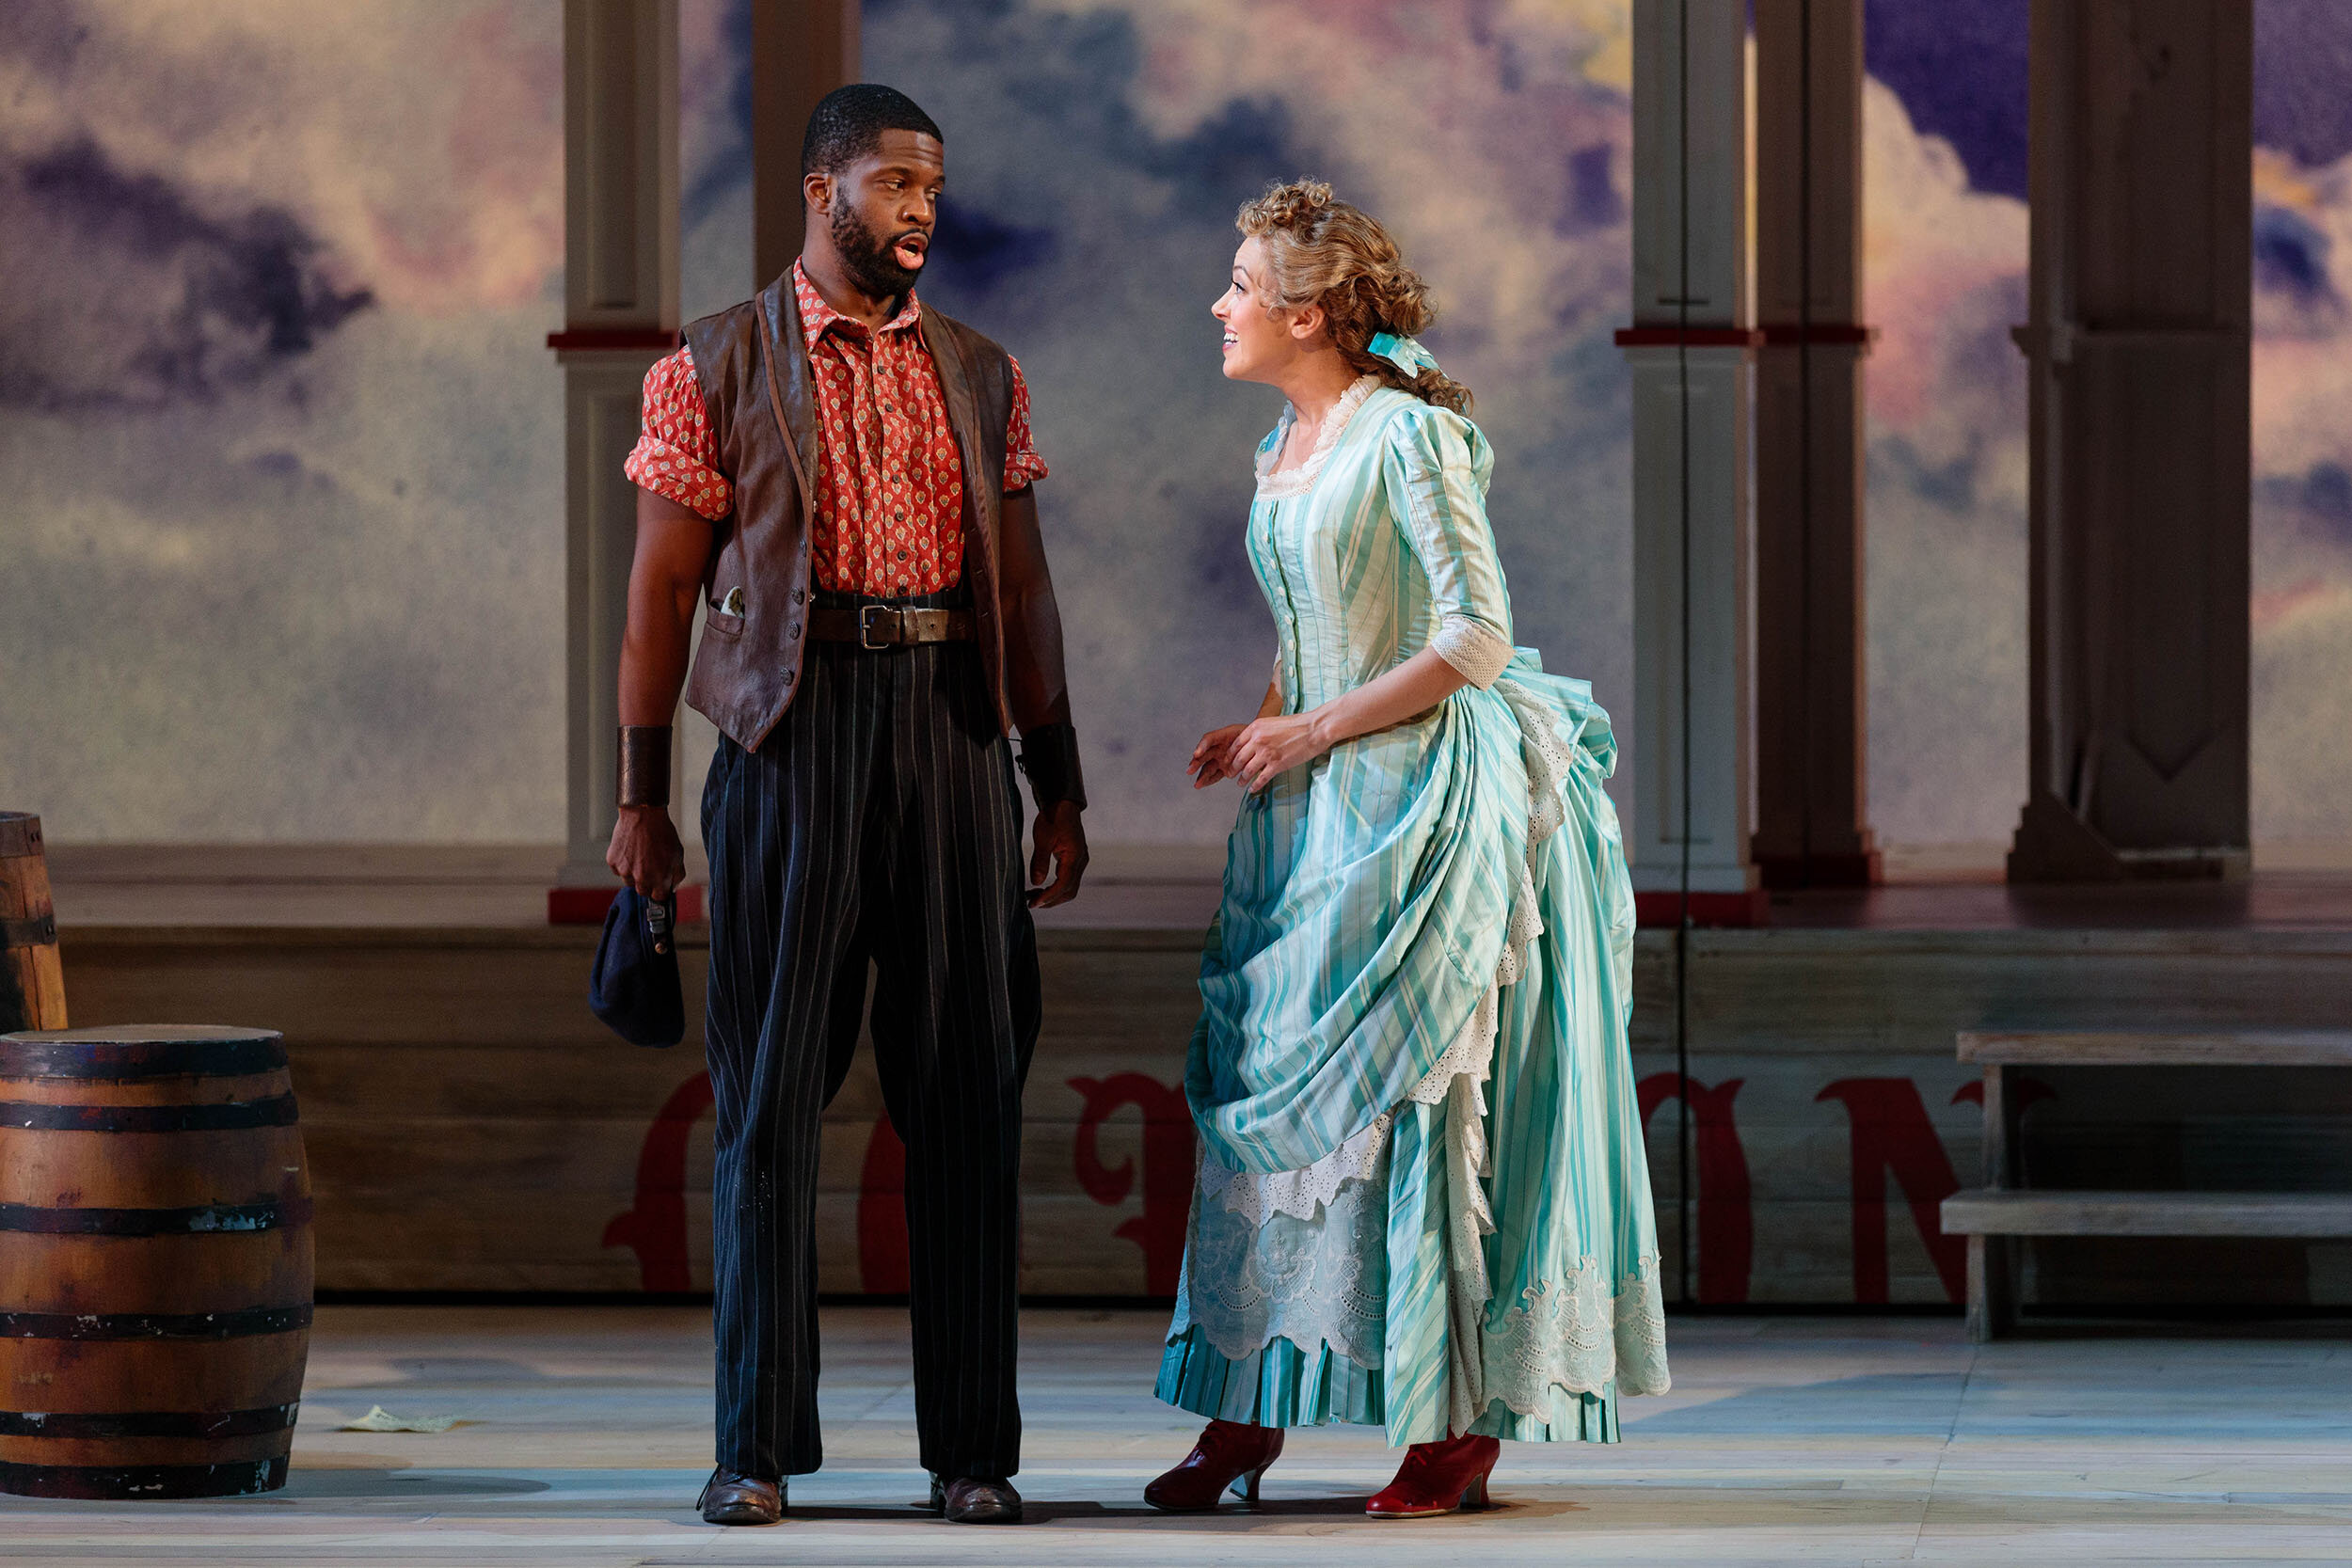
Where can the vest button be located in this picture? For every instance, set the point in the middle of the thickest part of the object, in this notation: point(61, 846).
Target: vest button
point(792, 630)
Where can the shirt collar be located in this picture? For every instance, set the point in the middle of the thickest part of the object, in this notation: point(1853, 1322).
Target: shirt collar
point(817, 318)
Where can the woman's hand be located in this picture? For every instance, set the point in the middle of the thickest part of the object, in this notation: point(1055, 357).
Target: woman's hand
point(1210, 758)
point(1269, 748)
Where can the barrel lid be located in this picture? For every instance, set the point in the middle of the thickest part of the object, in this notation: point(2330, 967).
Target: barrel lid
point(20, 834)
point(144, 1033)
point(126, 1053)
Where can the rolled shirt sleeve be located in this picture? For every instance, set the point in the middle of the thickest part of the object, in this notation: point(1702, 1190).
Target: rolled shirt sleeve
point(676, 456)
point(1436, 468)
point(1022, 466)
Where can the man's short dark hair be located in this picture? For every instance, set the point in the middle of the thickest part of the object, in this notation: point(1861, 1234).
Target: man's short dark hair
point(848, 123)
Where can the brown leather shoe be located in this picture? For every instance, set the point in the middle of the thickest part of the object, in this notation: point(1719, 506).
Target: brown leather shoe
point(729, 1498)
point(976, 1500)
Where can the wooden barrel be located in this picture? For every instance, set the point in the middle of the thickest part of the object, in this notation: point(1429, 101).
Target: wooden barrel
point(32, 983)
point(155, 1262)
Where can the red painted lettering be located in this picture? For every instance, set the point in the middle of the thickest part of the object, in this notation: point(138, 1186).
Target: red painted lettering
point(655, 1229)
point(1726, 1208)
point(1168, 1164)
point(881, 1213)
point(1891, 1133)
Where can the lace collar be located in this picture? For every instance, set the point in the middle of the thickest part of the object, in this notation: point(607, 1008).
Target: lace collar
point(1298, 480)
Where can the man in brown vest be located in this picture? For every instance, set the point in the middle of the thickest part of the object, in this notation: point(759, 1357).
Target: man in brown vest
point(843, 477)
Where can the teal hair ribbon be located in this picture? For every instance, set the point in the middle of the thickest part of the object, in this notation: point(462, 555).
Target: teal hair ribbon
point(1406, 353)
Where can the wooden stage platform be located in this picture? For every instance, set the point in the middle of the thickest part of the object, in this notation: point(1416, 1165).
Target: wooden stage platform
point(473, 1128)
point(585, 1432)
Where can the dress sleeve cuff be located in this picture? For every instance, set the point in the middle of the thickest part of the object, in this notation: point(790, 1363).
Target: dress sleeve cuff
point(1472, 649)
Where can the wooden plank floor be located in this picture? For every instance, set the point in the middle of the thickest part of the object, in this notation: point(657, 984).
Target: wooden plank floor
point(1826, 1441)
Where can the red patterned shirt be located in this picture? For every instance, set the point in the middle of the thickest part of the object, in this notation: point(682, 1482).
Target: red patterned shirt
point(889, 513)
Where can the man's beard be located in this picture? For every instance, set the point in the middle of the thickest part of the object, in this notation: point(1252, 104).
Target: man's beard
point(870, 261)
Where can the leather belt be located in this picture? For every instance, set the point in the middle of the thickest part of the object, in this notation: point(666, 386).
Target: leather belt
point(882, 626)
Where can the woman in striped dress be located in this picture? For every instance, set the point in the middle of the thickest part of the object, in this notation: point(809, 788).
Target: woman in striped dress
point(1423, 1201)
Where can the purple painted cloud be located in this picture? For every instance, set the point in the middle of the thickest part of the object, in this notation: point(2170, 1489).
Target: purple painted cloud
point(132, 290)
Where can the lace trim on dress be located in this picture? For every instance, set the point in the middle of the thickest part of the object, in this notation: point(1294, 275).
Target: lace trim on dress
point(1305, 1282)
point(1258, 1196)
point(1474, 651)
point(1579, 1333)
point(1298, 480)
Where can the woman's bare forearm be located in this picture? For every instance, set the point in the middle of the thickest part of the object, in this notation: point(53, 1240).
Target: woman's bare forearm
point(1413, 688)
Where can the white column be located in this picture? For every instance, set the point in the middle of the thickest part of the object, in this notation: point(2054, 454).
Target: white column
point(1691, 348)
point(621, 310)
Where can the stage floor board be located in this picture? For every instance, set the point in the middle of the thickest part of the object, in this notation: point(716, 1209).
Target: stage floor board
point(1829, 1441)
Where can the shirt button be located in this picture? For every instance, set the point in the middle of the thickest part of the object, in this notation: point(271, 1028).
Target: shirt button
point(899, 512)
point(902, 555)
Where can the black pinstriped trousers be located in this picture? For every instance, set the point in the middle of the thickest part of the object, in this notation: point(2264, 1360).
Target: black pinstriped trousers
point(878, 824)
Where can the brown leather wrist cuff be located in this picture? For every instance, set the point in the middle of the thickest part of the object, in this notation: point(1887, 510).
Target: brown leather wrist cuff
point(1049, 755)
point(645, 764)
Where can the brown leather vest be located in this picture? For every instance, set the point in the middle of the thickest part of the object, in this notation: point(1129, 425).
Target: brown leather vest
point(756, 381)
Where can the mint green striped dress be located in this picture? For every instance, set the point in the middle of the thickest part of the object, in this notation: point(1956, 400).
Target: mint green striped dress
point(1422, 1201)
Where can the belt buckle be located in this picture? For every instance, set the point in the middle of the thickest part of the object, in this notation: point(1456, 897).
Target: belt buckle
point(868, 617)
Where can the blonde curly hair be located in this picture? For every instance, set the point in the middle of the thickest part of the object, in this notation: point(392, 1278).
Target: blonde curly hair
point(1324, 251)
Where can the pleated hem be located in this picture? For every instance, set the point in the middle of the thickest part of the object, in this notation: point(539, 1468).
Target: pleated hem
point(1282, 1385)
point(1278, 1386)
point(1569, 1418)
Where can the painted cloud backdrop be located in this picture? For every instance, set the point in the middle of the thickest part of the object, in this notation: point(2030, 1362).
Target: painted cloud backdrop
point(282, 445)
point(283, 452)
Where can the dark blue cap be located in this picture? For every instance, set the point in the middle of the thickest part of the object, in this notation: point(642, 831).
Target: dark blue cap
point(634, 986)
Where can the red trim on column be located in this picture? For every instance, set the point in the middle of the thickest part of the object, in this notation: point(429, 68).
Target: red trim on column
point(575, 339)
point(585, 905)
point(1706, 909)
point(1833, 334)
point(1697, 336)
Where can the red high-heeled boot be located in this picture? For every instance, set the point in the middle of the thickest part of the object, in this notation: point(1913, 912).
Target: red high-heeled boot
point(1438, 1477)
point(1227, 1454)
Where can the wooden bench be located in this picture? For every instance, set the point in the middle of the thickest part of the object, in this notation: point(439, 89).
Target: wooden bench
point(1995, 1215)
